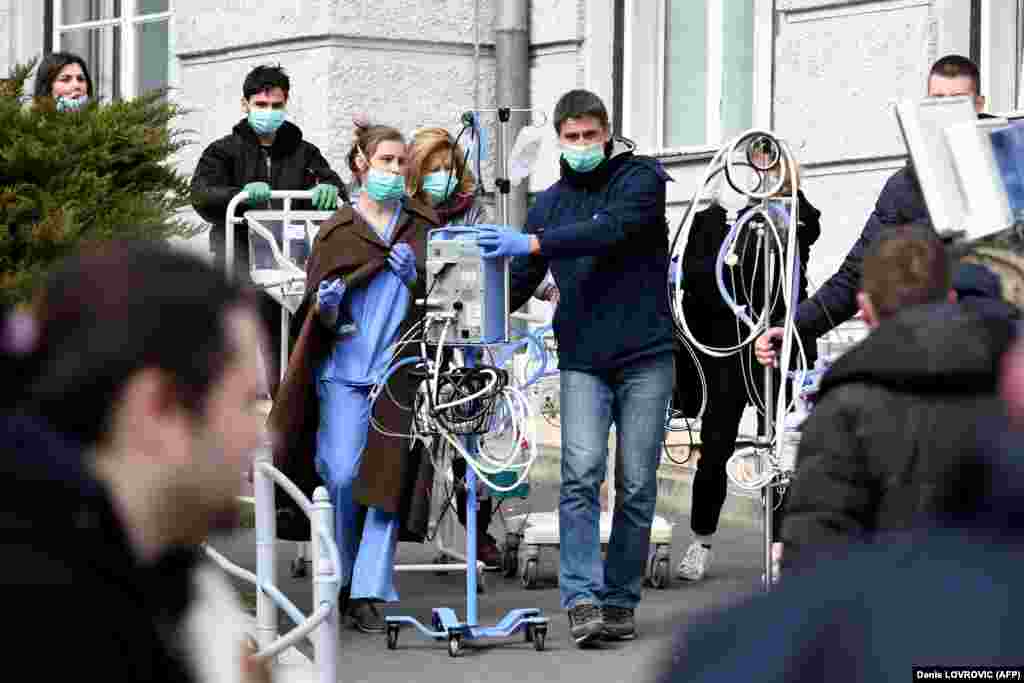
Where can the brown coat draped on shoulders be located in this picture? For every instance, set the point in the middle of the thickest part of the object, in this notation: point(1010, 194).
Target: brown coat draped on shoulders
point(349, 248)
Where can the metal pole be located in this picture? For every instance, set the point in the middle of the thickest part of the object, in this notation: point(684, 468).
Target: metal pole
point(769, 422)
point(500, 171)
point(476, 55)
point(283, 360)
point(512, 49)
point(266, 534)
point(471, 509)
point(326, 636)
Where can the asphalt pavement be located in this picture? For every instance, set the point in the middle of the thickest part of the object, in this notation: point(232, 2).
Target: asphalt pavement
point(735, 572)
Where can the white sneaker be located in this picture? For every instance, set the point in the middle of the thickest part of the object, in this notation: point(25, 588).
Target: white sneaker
point(695, 562)
point(677, 422)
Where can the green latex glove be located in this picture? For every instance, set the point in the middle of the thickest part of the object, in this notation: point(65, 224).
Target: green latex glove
point(325, 197)
point(258, 192)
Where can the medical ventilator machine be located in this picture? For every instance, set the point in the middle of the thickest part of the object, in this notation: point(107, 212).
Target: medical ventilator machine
point(467, 403)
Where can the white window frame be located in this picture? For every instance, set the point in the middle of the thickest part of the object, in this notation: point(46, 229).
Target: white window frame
point(127, 22)
point(644, 92)
point(1000, 61)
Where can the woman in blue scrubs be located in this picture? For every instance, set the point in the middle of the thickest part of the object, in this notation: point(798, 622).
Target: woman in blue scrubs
point(383, 231)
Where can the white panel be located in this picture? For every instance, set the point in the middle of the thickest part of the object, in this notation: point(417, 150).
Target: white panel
point(923, 123)
point(987, 202)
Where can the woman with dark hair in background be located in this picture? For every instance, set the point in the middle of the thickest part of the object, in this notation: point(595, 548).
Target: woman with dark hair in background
point(64, 76)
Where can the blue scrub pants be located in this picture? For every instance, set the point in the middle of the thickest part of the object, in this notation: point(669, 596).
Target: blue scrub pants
point(366, 543)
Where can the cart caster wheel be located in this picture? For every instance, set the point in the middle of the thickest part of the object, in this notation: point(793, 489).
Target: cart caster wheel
point(481, 583)
point(454, 645)
point(540, 633)
point(528, 633)
point(298, 568)
point(392, 636)
point(510, 561)
point(660, 574)
point(530, 573)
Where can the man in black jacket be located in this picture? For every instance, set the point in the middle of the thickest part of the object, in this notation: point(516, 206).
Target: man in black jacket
point(125, 446)
point(264, 152)
point(898, 413)
point(900, 202)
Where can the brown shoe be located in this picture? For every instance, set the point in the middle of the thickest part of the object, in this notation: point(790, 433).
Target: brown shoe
point(487, 551)
point(365, 617)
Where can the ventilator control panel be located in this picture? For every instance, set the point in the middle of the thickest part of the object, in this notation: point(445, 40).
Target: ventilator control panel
point(467, 295)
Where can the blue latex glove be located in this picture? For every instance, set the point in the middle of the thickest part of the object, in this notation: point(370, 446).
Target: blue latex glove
point(325, 197)
point(402, 260)
point(503, 241)
point(258, 192)
point(329, 294)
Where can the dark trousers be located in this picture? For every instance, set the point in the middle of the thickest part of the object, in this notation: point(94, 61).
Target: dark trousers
point(727, 399)
point(486, 507)
point(269, 309)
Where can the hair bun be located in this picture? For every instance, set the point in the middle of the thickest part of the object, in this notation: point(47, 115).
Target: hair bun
point(19, 334)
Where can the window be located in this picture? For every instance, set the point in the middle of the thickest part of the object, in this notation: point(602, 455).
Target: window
point(702, 79)
point(997, 41)
point(126, 43)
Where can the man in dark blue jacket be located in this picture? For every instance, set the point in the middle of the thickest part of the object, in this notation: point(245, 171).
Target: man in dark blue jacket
point(602, 231)
point(900, 202)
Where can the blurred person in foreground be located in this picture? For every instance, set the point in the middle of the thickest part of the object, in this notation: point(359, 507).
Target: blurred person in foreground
point(916, 455)
point(895, 415)
point(125, 447)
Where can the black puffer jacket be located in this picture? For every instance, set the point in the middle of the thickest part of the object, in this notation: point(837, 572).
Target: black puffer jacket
point(894, 417)
point(235, 160)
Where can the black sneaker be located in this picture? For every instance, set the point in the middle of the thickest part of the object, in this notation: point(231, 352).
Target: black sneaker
point(365, 617)
point(618, 623)
point(585, 623)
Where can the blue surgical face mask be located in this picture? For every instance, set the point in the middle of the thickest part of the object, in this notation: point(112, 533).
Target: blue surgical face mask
point(266, 121)
point(583, 159)
point(439, 185)
point(383, 186)
point(71, 103)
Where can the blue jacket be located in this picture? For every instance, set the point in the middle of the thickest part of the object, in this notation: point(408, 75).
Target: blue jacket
point(605, 238)
point(835, 301)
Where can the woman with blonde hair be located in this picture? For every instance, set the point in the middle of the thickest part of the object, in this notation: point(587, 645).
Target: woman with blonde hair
point(439, 175)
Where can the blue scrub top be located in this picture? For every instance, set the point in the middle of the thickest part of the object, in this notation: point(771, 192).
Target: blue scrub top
point(377, 309)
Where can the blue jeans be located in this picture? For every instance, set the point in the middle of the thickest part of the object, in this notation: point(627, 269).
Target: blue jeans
point(636, 398)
